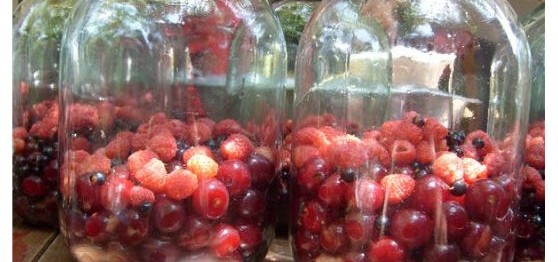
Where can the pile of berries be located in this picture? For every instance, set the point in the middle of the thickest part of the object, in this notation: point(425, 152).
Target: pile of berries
point(408, 190)
point(166, 189)
point(35, 166)
point(530, 230)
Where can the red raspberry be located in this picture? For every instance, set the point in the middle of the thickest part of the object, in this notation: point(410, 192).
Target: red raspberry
point(373, 134)
point(301, 154)
point(473, 170)
point(39, 110)
point(403, 152)
point(164, 145)
point(376, 152)
point(18, 145)
point(470, 151)
point(130, 114)
point(180, 184)
point(534, 155)
point(312, 137)
point(481, 141)
point(209, 122)
point(158, 118)
point(533, 179)
point(119, 147)
point(107, 114)
point(399, 130)
point(152, 175)
point(448, 167)
point(398, 187)
point(236, 146)
point(178, 128)
point(138, 159)
point(199, 132)
point(435, 130)
point(138, 142)
point(347, 151)
point(228, 127)
point(155, 130)
point(536, 129)
point(19, 132)
point(331, 132)
point(83, 116)
point(203, 150)
point(94, 163)
point(44, 129)
point(140, 195)
point(203, 166)
point(495, 163)
point(80, 143)
point(426, 153)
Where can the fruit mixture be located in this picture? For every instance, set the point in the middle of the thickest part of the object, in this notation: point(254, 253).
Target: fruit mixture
point(158, 188)
point(530, 231)
point(411, 190)
point(35, 165)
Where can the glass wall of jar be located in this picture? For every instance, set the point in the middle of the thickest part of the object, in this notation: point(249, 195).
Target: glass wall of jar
point(171, 113)
point(530, 231)
point(408, 129)
point(37, 33)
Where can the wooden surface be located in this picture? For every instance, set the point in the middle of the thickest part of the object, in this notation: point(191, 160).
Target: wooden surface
point(32, 244)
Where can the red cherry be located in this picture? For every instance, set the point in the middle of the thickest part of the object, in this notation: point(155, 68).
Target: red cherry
point(366, 195)
point(211, 199)
point(476, 241)
point(486, 200)
point(251, 205)
point(195, 234)
point(411, 227)
point(386, 250)
point(169, 215)
point(333, 237)
point(235, 175)
point(332, 191)
point(430, 192)
point(457, 219)
point(306, 245)
point(441, 253)
point(225, 240)
point(313, 216)
point(311, 176)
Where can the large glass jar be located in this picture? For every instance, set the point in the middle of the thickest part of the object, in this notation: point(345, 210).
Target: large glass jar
point(530, 231)
point(171, 113)
point(408, 131)
point(37, 33)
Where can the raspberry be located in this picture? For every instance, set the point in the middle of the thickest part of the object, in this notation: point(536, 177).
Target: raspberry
point(534, 155)
point(129, 114)
point(330, 132)
point(158, 118)
point(203, 166)
point(426, 153)
point(448, 167)
point(376, 152)
point(481, 141)
point(399, 130)
point(83, 116)
point(178, 128)
point(138, 142)
point(236, 146)
point(398, 187)
point(107, 114)
point(94, 163)
point(180, 184)
point(119, 147)
point(18, 145)
point(470, 151)
point(39, 110)
point(156, 130)
point(536, 129)
point(203, 150)
point(434, 129)
point(140, 195)
point(495, 163)
point(138, 159)
point(373, 134)
point(473, 170)
point(44, 129)
point(199, 132)
point(347, 151)
point(19, 132)
point(152, 175)
point(403, 152)
point(312, 137)
point(301, 154)
point(227, 127)
point(164, 145)
point(209, 122)
point(80, 143)
point(533, 179)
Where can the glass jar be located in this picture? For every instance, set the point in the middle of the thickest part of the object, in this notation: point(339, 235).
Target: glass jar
point(530, 231)
point(408, 130)
point(171, 113)
point(37, 34)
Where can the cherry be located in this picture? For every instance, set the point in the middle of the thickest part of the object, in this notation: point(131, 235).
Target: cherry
point(430, 192)
point(251, 205)
point(195, 234)
point(159, 251)
point(333, 237)
point(250, 235)
point(313, 216)
point(359, 227)
point(132, 228)
point(225, 240)
point(235, 175)
point(97, 226)
point(88, 194)
point(50, 172)
point(441, 253)
point(366, 195)
point(262, 170)
point(386, 250)
point(33, 186)
point(332, 191)
point(306, 245)
point(411, 227)
point(168, 215)
point(457, 219)
point(312, 174)
point(354, 256)
point(486, 200)
point(211, 199)
point(476, 241)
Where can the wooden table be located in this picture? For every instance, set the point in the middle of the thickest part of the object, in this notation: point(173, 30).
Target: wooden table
point(32, 244)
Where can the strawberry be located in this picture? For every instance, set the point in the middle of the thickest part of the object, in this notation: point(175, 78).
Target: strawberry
point(195, 150)
point(398, 187)
point(203, 166)
point(236, 146)
point(152, 175)
point(94, 163)
point(473, 170)
point(448, 167)
point(138, 159)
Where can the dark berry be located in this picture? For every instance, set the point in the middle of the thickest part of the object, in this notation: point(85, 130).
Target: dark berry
point(349, 175)
point(421, 174)
point(116, 162)
point(145, 208)
point(478, 143)
point(97, 178)
point(48, 151)
point(457, 150)
point(458, 188)
point(382, 222)
point(418, 121)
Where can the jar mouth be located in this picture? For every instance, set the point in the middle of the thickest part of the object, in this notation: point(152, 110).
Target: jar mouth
point(194, 8)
